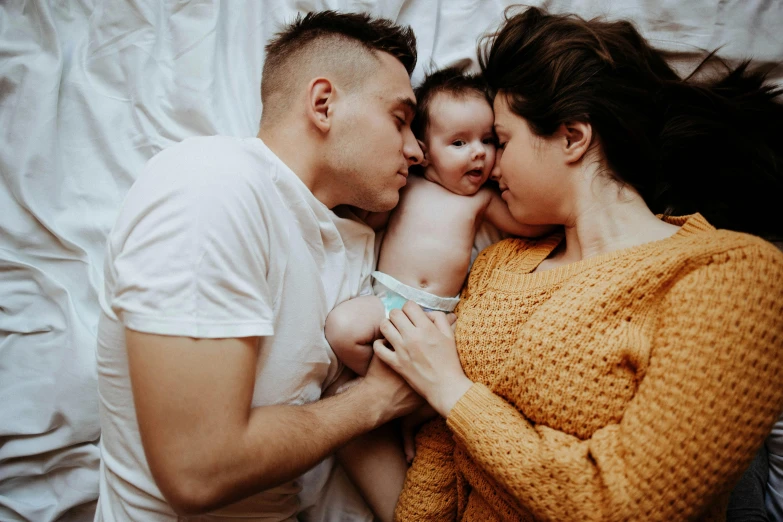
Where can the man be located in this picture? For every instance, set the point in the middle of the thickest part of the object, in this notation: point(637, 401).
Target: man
point(223, 264)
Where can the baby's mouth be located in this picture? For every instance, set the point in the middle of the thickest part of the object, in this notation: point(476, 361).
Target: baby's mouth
point(475, 173)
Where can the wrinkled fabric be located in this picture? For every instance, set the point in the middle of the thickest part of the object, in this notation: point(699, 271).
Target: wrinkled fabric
point(91, 90)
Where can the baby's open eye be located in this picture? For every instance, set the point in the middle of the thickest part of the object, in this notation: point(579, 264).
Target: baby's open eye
point(458, 143)
point(490, 141)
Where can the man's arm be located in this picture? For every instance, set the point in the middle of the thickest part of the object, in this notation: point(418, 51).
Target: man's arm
point(207, 447)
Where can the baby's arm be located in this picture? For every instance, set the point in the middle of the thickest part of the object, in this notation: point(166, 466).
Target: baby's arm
point(497, 213)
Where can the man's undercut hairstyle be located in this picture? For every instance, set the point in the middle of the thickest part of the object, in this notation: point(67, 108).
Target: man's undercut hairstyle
point(453, 81)
point(327, 41)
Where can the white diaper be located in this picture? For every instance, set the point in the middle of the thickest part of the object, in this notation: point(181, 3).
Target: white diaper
point(394, 294)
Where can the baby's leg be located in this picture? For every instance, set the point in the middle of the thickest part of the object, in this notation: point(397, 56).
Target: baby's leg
point(351, 329)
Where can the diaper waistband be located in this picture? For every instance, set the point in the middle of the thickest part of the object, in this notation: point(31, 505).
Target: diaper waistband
point(422, 298)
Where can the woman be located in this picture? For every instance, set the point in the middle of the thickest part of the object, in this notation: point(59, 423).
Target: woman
point(629, 367)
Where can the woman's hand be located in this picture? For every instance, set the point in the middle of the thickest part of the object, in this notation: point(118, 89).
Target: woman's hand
point(425, 354)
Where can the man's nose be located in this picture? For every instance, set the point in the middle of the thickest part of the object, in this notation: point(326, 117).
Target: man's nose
point(411, 150)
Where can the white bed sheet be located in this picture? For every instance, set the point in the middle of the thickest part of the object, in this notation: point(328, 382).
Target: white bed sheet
point(90, 90)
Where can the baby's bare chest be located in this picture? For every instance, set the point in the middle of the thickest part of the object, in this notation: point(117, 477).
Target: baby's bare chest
point(434, 213)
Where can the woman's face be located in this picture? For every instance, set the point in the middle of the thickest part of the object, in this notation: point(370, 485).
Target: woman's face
point(529, 169)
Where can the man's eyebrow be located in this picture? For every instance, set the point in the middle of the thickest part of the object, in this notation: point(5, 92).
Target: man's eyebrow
point(408, 103)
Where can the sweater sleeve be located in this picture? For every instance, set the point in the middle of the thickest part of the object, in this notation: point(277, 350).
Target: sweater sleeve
point(430, 489)
point(710, 395)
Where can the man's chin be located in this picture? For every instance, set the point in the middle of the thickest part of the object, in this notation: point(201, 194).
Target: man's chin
point(386, 204)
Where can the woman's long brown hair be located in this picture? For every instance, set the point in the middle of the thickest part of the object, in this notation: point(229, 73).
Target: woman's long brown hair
point(687, 145)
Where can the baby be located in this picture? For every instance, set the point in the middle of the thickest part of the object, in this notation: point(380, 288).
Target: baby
point(425, 253)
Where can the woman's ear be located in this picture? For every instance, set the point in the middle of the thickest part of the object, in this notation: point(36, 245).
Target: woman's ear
point(425, 161)
point(575, 138)
point(320, 100)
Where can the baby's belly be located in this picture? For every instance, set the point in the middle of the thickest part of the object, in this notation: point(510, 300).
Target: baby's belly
point(438, 268)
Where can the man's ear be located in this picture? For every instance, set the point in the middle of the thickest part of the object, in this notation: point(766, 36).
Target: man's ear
point(575, 138)
point(425, 161)
point(320, 97)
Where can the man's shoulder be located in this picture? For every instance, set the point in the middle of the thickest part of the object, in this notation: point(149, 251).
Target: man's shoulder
point(225, 150)
point(205, 174)
point(211, 160)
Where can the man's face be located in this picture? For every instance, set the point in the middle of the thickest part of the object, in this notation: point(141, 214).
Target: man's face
point(375, 144)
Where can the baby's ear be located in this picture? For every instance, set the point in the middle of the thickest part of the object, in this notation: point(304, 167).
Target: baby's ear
point(425, 162)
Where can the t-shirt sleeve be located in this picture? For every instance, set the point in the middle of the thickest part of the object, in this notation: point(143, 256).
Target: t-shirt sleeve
point(191, 248)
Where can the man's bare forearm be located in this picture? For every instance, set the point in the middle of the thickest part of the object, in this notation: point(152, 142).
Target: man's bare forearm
point(207, 447)
point(277, 444)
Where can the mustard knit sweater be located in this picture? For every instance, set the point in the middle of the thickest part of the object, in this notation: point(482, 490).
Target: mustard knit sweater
point(635, 385)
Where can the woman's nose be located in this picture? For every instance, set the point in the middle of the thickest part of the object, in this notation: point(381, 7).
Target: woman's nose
point(495, 173)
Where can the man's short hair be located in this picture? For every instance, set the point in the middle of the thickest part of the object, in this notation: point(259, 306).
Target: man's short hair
point(343, 41)
point(451, 80)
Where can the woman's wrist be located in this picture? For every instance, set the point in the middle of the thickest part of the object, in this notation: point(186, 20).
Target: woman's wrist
point(450, 394)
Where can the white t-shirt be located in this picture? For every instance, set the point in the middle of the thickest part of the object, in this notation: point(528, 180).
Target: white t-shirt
point(218, 239)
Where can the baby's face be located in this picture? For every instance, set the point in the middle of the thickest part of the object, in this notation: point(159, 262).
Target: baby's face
point(460, 142)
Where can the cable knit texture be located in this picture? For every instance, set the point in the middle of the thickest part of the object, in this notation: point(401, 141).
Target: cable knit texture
point(634, 385)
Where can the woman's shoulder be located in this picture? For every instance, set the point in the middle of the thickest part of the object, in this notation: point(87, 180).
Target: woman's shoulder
point(720, 245)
